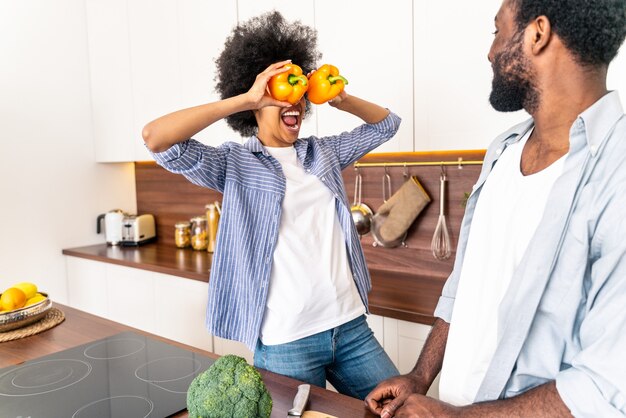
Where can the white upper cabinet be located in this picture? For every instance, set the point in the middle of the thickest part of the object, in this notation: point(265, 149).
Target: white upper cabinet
point(111, 85)
point(202, 30)
point(424, 60)
point(154, 62)
point(303, 11)
point(371, 43)
point(149, 58)
point(453, 76)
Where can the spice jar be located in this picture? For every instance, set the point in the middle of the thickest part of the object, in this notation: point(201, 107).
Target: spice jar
point(213, 218)
point(182, 234)
point(199, 236)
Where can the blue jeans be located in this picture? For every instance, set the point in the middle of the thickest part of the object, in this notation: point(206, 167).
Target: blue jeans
point(348, 356)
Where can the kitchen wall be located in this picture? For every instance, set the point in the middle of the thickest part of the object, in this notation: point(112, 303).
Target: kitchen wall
point(51, 189)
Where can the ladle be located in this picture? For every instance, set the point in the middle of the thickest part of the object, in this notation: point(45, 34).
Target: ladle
point(361, 213)
point(440, 244)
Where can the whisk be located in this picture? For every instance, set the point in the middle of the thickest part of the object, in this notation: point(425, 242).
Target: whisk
point(440, 244)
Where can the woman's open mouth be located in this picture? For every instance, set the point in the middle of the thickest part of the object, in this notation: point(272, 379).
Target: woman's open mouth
point(291, 119)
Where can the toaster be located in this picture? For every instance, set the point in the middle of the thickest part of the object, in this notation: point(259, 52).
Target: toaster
point(137, 230)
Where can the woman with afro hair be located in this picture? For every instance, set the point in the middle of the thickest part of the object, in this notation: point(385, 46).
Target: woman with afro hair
point(288, 276)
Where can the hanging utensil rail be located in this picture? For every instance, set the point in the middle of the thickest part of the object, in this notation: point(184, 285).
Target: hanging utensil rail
point(460, 163)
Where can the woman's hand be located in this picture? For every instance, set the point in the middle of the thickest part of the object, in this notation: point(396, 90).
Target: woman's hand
point(258, 95)
point(334, 102)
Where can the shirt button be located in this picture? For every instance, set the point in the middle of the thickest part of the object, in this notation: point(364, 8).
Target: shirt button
point(593, 149)
point(499, 151)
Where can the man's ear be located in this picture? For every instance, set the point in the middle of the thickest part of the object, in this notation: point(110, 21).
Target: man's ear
point(541, 30)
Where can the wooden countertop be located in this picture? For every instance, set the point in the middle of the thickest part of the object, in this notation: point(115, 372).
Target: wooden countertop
point(81, 328)
point(396, 293)
point(157, 257)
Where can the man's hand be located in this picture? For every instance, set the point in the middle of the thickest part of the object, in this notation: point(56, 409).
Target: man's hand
point(391, 394)
point(418, 406)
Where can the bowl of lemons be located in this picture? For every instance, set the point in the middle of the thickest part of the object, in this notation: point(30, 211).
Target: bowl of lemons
point(22, 304)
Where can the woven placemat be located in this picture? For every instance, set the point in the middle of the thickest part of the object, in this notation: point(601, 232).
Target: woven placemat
point(53, 317)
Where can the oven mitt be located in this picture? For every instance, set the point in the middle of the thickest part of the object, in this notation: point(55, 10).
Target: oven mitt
point(402, 209)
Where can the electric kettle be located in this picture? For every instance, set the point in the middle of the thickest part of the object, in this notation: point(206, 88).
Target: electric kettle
point(113, 221)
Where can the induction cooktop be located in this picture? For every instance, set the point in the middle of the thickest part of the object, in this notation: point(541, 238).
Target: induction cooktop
point(126, 375)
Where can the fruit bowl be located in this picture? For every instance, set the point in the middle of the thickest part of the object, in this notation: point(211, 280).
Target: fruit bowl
point(21, 317)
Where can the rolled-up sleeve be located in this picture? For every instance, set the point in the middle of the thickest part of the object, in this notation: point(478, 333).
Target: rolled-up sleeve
point(201, 164)
point(595, 384)
point(350, 146)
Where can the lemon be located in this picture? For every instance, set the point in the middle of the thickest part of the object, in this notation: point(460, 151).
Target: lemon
point(12, 298)
point(29, 289)
point(35, 299)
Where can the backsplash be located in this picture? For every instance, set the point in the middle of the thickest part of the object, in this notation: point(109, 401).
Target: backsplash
point(406, 281)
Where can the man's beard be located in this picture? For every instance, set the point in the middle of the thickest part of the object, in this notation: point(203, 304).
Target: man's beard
point(512, 87)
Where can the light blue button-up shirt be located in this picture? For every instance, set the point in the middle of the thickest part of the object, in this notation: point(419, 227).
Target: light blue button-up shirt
point(253, 185)
point(563, 316)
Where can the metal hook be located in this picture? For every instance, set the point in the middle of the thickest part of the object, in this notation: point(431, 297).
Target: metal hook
point(443, 172)
point(405, 172)
point(357, 187)
point(386, 185)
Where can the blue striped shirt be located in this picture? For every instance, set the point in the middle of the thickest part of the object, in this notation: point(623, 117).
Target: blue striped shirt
point(253, 186)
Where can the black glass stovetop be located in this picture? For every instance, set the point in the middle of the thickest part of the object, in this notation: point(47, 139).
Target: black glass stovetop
point(126, 375)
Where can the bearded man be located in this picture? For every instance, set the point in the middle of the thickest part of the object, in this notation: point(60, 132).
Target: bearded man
point(531, 322)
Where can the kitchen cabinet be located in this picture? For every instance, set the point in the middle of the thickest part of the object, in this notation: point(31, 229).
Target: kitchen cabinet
point(110, 78)
point(291, 11)
point(149, 58)
point(371, 46)
point(170, 306)
point(82, 328)
point(403, 342)
point(453, 77)
point(174, 307)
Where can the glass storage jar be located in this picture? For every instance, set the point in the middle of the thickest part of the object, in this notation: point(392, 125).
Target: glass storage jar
point(199, 233)
point(213, 218)
point(182, 234)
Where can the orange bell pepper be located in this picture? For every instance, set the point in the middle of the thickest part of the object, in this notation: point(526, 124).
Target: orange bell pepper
point(289, 86)
point(325, 84)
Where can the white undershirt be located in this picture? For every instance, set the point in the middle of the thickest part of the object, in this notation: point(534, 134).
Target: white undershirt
point(311, 285)
point(506, 217)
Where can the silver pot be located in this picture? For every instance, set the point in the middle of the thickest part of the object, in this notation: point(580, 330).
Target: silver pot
point(361, 213)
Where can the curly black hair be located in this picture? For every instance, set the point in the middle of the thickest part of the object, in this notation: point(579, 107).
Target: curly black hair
point(592, 30)
point(251, 48)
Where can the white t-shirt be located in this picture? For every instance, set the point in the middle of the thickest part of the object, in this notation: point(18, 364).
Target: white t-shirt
point(311, 285)
point(506, 217)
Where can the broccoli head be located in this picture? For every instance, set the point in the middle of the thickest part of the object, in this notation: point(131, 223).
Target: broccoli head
point(230, 388)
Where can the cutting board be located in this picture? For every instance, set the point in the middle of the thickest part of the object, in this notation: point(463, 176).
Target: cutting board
point(316, 414)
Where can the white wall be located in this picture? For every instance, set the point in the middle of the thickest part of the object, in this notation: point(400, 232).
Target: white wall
point(51, 190)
